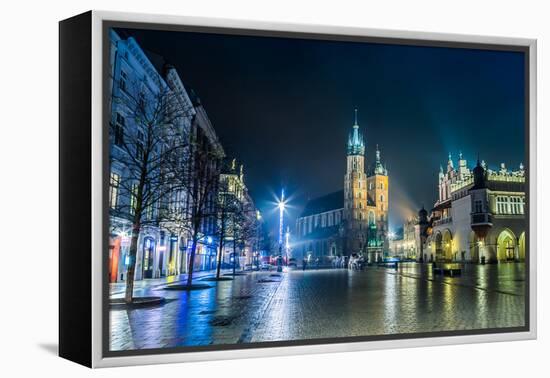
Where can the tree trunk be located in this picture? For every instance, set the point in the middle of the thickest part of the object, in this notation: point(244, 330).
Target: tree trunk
point(129, 294)
point(219, 263)
point(192, 259)
point(222, 236)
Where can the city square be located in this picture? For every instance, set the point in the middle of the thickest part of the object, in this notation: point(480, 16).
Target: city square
point(324, 303)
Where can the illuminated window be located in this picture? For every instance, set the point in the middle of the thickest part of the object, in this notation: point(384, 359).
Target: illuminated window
point(113, 190)
point(516, 205)
point(133, 198)
point(503, 205)
point(521, 205)
point(149, 212)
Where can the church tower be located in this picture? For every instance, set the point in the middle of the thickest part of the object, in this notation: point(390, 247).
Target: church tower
point(378, 198)
point(355, 193)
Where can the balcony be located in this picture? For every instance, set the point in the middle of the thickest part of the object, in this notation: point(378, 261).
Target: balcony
point(482, 219)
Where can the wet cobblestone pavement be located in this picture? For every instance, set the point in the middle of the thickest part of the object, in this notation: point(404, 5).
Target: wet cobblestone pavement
point(323, 303)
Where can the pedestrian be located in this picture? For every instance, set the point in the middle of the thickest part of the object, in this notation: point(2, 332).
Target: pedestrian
point(304, 264)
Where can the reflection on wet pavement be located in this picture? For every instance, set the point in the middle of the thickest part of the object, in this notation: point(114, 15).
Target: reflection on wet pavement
point(258, 307)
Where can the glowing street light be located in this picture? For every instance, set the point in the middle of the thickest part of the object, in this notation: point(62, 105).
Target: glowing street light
point(281, 206)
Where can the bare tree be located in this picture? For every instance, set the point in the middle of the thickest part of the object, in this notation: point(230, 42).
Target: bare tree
point(244, 227)
point(197, 176)
point(145, 140)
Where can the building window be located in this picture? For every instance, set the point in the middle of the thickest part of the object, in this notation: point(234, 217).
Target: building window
point(382, 185)
point(139, 146)
point(521, 205)
point(113, 190)
point(478, 206)
point(371, 218)
point(516, 205)
point(502, 205)
point(381, 198)
point(149, 212)
point(123, 80)
point(133, 198)
point(120, 123)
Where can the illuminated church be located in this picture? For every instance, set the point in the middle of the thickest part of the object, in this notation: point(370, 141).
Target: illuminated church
point(351, 221)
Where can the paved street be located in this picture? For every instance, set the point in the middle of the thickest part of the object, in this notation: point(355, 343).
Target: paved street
point(323, 303)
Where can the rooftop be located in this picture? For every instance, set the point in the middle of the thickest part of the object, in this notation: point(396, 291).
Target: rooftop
point(328, 202)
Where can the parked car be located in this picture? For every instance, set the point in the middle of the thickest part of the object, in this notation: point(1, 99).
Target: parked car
point(265, 266)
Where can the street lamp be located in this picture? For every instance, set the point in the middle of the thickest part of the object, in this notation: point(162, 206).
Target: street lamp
point(281, 206)
point(258, 226)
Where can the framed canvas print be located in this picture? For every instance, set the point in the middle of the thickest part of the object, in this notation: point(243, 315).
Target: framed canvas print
point(233, 189)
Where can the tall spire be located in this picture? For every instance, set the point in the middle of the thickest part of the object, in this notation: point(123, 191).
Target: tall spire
point(379, 169)
point(356, 144)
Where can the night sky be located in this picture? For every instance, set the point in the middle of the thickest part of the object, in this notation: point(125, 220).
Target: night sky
point(284, 107)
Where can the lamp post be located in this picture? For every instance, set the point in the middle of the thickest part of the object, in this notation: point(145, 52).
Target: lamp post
point(281, 206)
point(258, 233)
